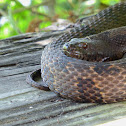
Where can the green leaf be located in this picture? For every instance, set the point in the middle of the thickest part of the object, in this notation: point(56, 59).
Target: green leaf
point(109, 2)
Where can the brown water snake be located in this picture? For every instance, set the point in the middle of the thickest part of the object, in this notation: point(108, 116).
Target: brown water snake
point(81, 80)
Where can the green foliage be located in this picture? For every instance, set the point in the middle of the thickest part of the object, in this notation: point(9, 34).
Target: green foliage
point(19, 17)
point(110, 2)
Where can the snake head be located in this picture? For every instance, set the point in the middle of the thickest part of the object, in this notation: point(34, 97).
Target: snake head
point(84, 49)
point(75, 48)
point(93, 50)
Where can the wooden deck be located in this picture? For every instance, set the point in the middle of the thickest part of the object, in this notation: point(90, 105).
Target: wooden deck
point(21, 104)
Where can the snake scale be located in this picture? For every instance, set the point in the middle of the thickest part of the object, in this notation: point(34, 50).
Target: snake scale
point(83, 80)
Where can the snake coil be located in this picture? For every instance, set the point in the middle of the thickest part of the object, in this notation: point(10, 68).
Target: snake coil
point(88, 81)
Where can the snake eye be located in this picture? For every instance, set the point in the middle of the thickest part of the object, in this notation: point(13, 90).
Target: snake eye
point(84, 45)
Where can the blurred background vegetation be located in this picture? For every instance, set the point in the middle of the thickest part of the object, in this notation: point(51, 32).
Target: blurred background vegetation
point(21, 16)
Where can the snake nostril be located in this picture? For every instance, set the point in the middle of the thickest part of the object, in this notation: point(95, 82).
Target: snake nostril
point(65, 46)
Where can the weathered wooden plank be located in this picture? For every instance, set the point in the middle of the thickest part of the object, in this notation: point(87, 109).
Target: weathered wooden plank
point(21, 104)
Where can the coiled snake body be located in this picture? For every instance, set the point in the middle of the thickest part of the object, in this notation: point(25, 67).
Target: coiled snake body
point(88, 81)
